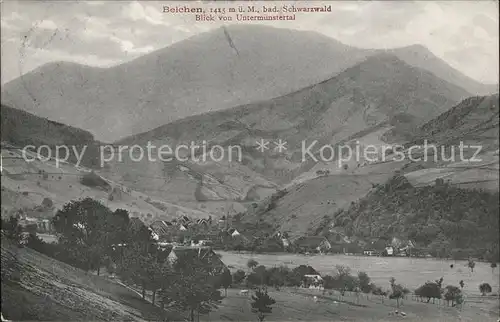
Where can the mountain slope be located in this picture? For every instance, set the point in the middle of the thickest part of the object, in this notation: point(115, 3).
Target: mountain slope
point(363, 101)
point(450, 221)
point(24, 129)
point(419, 56)
point(194, 76)
point(25, 184)
point(474, 124)
point(48, 290)
point(308, 207)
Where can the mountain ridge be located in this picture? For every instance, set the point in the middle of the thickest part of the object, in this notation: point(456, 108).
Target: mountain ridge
point(178, 81)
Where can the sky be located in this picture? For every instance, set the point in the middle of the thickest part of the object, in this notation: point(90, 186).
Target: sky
point(105, 33)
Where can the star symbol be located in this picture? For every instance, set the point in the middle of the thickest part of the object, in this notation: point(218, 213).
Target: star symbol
point(262, 145)
point(280, 146)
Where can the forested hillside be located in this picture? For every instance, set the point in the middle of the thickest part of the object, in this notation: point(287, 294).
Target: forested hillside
point(449, 221)
point(22, 129)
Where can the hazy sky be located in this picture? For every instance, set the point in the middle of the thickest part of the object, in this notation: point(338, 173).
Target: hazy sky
point(100, 33)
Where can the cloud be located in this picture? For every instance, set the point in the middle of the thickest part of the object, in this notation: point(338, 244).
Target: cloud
point(47, 24)
point(136, 11)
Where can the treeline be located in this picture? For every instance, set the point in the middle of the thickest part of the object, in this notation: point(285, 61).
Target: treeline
point(91, 236)
point(447, 221)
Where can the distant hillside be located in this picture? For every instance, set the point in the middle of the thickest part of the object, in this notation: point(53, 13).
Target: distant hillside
point(21, 129)
point(197, 75)
point(449, 221)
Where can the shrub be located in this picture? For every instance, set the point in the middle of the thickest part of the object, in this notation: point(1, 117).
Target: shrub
point(377, 290)
point(485, 288)
point(47, 203)
point(93, 180)
point(364, 282)
point(238, 276)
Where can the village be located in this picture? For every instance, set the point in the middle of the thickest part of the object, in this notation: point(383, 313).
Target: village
point(221, 234)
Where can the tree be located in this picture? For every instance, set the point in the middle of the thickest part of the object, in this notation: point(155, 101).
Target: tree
point(252, 263)
point(453, 294)
point(397, 291)
point(262, 303)
point(430, 290)
point(485, 288)
point(12, 229)
point(471, 264)
point(238, 276)
point(364, 282)
point(85, 227)
point(47, 203)
point(225, 280)
point(195, 288)
point(343, 280)
point(461, 283)
point(140, 267)
point(493, 265)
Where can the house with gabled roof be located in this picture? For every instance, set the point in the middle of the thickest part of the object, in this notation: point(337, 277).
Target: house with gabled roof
point(313, 244)
point(162, 228)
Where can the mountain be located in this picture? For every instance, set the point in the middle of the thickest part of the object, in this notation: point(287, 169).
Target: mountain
point(356, 106)
point(420, 56)
point(200, 74)
point(347, 198)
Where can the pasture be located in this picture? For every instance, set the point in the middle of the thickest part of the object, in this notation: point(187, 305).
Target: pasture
point(410, 272)
point(299, 305)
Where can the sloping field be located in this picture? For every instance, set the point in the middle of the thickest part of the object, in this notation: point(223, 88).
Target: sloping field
point(26, 184)
point(36, 287)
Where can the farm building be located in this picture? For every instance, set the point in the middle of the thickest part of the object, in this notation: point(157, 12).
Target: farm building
point(312, 281)
point(313, 244)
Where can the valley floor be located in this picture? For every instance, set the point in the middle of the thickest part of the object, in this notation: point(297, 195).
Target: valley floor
point(36, 287)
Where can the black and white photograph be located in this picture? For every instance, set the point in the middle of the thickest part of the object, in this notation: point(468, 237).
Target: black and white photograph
point(250, 161)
